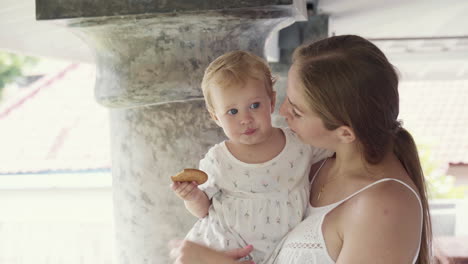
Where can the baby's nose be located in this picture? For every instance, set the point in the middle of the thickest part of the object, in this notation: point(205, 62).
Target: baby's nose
point(246, 118)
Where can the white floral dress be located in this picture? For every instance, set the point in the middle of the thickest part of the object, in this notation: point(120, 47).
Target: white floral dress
point(255, 203)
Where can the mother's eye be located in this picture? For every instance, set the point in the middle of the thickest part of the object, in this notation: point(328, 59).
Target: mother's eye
point(232, 111)
point(295, 113)
point(255, 105)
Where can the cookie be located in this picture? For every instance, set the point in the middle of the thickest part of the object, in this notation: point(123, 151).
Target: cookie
point(190, 175)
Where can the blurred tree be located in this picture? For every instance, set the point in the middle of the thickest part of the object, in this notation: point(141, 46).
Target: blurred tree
point(439, 184)
point(12, 66)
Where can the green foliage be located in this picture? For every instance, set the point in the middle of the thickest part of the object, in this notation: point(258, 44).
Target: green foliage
point(12, 66)
point(439, 184)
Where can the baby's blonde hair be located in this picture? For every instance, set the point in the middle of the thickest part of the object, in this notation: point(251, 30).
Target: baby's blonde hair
point(232, 70)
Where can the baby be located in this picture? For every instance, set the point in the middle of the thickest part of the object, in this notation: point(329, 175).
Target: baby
point(257, 188)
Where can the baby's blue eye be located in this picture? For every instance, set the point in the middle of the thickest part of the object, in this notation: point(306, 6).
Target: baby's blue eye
point(233, 111)
point(255, 105)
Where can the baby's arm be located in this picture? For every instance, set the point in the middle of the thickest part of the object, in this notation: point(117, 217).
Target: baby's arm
point(196, 201)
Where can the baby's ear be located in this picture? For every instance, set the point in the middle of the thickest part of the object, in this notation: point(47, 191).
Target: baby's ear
point(273, 101)
point(215, 118)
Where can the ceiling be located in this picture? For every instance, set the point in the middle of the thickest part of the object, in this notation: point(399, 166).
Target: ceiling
point(397, 18)
point(408, 30)
point(426, 38)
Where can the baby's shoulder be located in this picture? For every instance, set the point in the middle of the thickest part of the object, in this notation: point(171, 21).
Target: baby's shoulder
point(216, 149)
point(294, 143)
point(215, 153)
point(288, 132)
point(292, 140)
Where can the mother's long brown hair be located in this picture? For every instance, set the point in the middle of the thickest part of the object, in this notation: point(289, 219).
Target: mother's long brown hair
point(348, 81)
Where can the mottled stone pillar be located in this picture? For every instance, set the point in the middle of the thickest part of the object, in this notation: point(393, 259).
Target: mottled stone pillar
point(150, 58)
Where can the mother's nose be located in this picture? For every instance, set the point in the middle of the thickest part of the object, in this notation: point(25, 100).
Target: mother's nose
point(284, 108)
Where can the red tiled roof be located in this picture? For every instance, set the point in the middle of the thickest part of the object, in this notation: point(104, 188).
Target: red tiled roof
point(436, 112)
point(55, 125)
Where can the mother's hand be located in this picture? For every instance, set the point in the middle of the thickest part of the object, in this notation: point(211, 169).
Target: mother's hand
point(186, 252)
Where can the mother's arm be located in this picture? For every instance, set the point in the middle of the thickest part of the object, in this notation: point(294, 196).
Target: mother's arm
point(186, 252)
point(382, 225)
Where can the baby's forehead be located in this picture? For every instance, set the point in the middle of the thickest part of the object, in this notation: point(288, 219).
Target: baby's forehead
point(239, 95)
point(234, 85)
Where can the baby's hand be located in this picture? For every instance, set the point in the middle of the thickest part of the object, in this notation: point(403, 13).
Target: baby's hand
point(186, 252)
point(187, 191)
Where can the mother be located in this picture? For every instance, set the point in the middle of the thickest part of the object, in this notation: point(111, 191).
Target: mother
point(368, 203)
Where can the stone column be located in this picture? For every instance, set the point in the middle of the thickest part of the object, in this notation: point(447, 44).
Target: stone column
point(301, 32)
point(150, 57)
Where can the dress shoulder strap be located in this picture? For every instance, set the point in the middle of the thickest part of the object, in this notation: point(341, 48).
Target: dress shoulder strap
point(383, 180)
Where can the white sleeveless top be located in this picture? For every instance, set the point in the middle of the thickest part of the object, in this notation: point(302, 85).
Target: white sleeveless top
point(305, 243)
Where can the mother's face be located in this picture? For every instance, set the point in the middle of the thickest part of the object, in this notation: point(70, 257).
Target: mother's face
point(301, 118)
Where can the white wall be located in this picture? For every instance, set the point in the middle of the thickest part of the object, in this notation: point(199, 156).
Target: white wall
point(52, 226)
